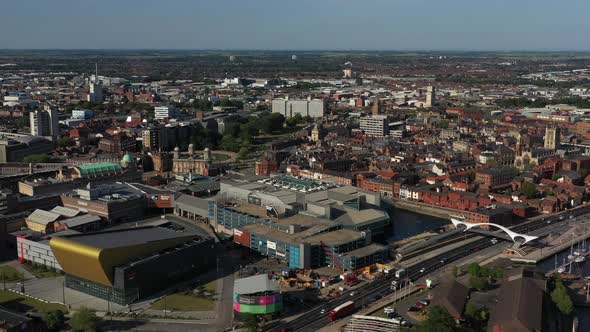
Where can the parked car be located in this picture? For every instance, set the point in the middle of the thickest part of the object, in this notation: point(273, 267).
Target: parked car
point(420, 304)
point(424, 302)
point(413, 308)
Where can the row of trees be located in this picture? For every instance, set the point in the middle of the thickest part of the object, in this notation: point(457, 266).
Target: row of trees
point(84, 320)
point(238, 137)
point(560, 296)
point(481, 277)
point(542, 102)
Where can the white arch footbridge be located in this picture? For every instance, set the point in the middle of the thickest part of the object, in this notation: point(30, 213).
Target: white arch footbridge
point(513, 235)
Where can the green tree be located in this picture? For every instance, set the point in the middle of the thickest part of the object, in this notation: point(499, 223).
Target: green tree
point(270, 122)
point(64, 142)
point(22, 122)
point(479, 283)
point(250, 323)
point(54, 319)
point(529, 190)
point(438, 320)
point(474, 270)
point(84, 320)
point(244, 153)
point(475, 317)
point(471, 312)
point(36, 158)
point(359, 81)
point(561, 298)
point(291, 122)
point(444, 124)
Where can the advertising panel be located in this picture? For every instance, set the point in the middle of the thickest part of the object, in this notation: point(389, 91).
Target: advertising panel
point(242, 237)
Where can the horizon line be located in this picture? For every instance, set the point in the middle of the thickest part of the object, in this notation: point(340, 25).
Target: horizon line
point(301, 50)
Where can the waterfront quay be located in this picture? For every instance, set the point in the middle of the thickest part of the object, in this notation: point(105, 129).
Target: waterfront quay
point(558, 240)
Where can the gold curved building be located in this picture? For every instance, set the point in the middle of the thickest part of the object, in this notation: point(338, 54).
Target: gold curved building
point(125, 265)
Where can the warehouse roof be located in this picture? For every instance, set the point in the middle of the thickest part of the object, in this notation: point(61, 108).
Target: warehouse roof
point(80, 220)
point(255, 284)
point(64, 211)
point(42, 217)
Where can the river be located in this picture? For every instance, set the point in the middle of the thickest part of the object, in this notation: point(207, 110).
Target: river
point(407, 223)
point(581, 269)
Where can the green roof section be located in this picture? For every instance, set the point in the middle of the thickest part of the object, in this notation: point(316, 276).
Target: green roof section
point(96, 168)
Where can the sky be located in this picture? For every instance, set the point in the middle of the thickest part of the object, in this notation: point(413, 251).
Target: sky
point(485, 25)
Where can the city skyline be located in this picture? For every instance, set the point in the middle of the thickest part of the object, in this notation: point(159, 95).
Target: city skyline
point(305, 25)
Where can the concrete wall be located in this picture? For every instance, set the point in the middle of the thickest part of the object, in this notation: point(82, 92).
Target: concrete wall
point(37, 252)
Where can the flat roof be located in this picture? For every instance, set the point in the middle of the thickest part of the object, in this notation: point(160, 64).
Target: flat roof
point(64, 211)
point(254, 284)
point(276, 233)
point(337, 237)
point(356, 217)
point(372, 248)
point(128, 237)
point(80, 220)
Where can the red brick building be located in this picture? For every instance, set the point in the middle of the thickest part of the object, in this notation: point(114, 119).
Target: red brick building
point(266, 166)
point(495, 178)
point(117, 144)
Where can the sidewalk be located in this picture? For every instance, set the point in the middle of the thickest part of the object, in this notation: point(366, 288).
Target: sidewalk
point(436, 252)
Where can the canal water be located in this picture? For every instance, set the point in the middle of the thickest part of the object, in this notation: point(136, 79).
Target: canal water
point(406, 224)
point(582, 269)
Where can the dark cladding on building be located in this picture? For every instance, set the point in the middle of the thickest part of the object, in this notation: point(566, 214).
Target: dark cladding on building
point(126, 265)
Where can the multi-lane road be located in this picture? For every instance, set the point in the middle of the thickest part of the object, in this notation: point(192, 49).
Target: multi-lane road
point(316, 318)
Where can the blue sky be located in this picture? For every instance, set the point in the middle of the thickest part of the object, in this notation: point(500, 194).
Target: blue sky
point(297, 24)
